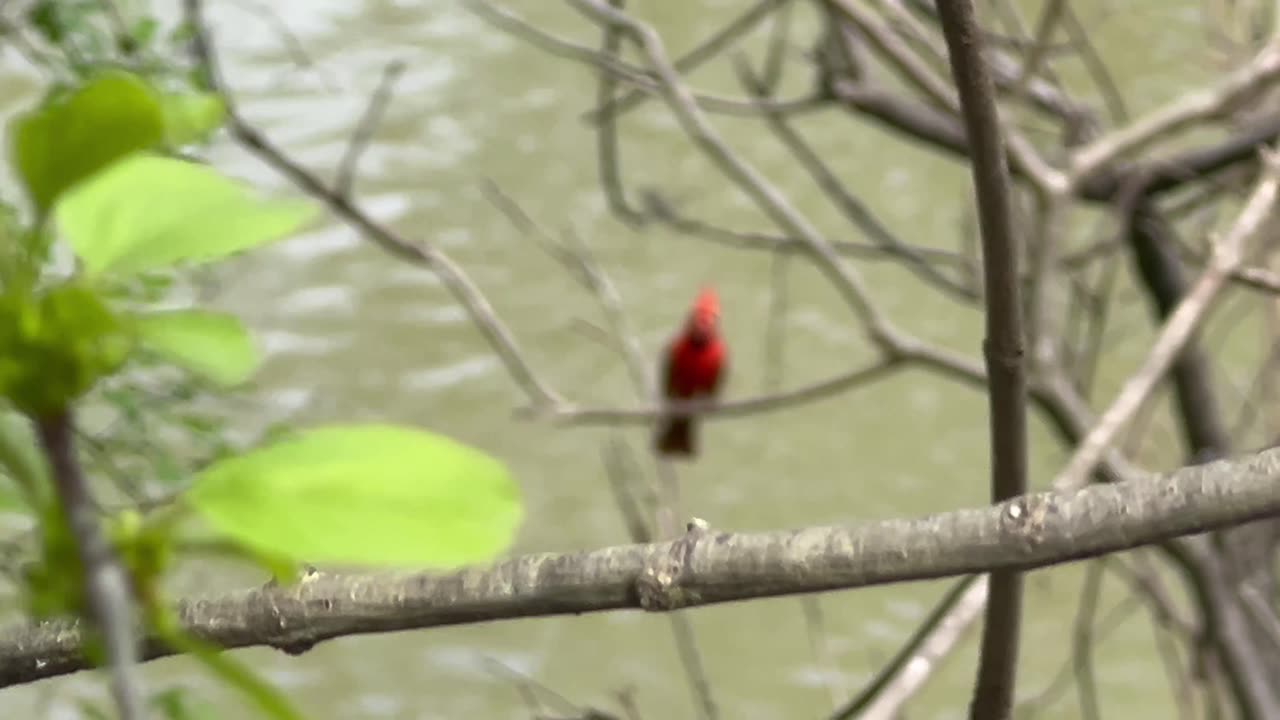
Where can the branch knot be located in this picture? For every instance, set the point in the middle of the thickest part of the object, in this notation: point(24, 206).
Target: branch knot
point(1024, 518)
point(658, 585)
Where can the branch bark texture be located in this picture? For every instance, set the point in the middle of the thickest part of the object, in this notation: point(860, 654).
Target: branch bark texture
point(706, 567)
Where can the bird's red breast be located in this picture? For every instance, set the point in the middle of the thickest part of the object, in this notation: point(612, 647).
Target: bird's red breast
point(696, 357)
point(695, 365)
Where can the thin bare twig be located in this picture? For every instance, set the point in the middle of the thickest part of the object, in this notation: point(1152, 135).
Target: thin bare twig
point(933, 640)
point(1094, 63)
point(1043, 333)
point(943, 96)
point(1178, 329)
point(1115, 617)
point(933, 651)
point(608, 154)
point(849, 205)
point(422, 254)
point(1162, 123)
point(1039, 49)
point(702, 52)
point(756, 186)
point(573, 415)
point(774, 371)
point(551, 43)
point(776, 55)
point(529, 690)
point(775, 331)
point(1261, 610)
point(1181, 684)
point(294, 47)
point(1082, 641)
point(661, 208)
point(1086, 364)
point(368, 125)
point(819, 644)
point(620, 469)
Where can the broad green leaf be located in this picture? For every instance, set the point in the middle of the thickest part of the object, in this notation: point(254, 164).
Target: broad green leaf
point(56, 344)
point(148, 212)
point(212, 344)
point(365, 495)
point(11, 499)
point(191, 117)
point(44, 16)
point(73, 135)
point(144, 31)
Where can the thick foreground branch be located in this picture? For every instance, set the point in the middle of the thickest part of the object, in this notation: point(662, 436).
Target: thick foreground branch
point(707, 567)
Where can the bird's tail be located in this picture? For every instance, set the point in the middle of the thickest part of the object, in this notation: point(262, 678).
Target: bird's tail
point(676, 436)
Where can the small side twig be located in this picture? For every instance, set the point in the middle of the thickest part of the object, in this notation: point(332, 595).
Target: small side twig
point(816, 628)
point(663, 209)
point(608, 153)
point(901, 677)
point(1082, 641)
point(1178, 329)
point(775, 343)
point(849, 205)
point(820, 390)
point(701, 53)
point(451, 275)
point(619, 469)
point(775, 56)
point(345, 179)
point(1162, 123)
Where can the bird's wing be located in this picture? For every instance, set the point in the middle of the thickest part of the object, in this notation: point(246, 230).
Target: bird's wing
point(668, 367)
point(721, 373)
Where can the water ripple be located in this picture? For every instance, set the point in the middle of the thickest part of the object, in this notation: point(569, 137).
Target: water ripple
point(468, 661)
point(441, 377)
point(278, 342)
point(319, 243)
point(332, 300)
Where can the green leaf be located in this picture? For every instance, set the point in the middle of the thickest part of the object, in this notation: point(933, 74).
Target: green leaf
point(212, 344)
point(73, 135)
point(11, 500)
point(148, 212)
point(365, 495)
point(43, 16)
point(56, 344)
point(144, 31)
point(192, 117)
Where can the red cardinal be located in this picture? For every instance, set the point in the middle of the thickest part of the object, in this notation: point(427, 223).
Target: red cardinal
point(693, 366)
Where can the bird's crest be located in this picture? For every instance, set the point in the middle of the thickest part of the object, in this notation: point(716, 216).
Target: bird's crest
point(707, 305)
